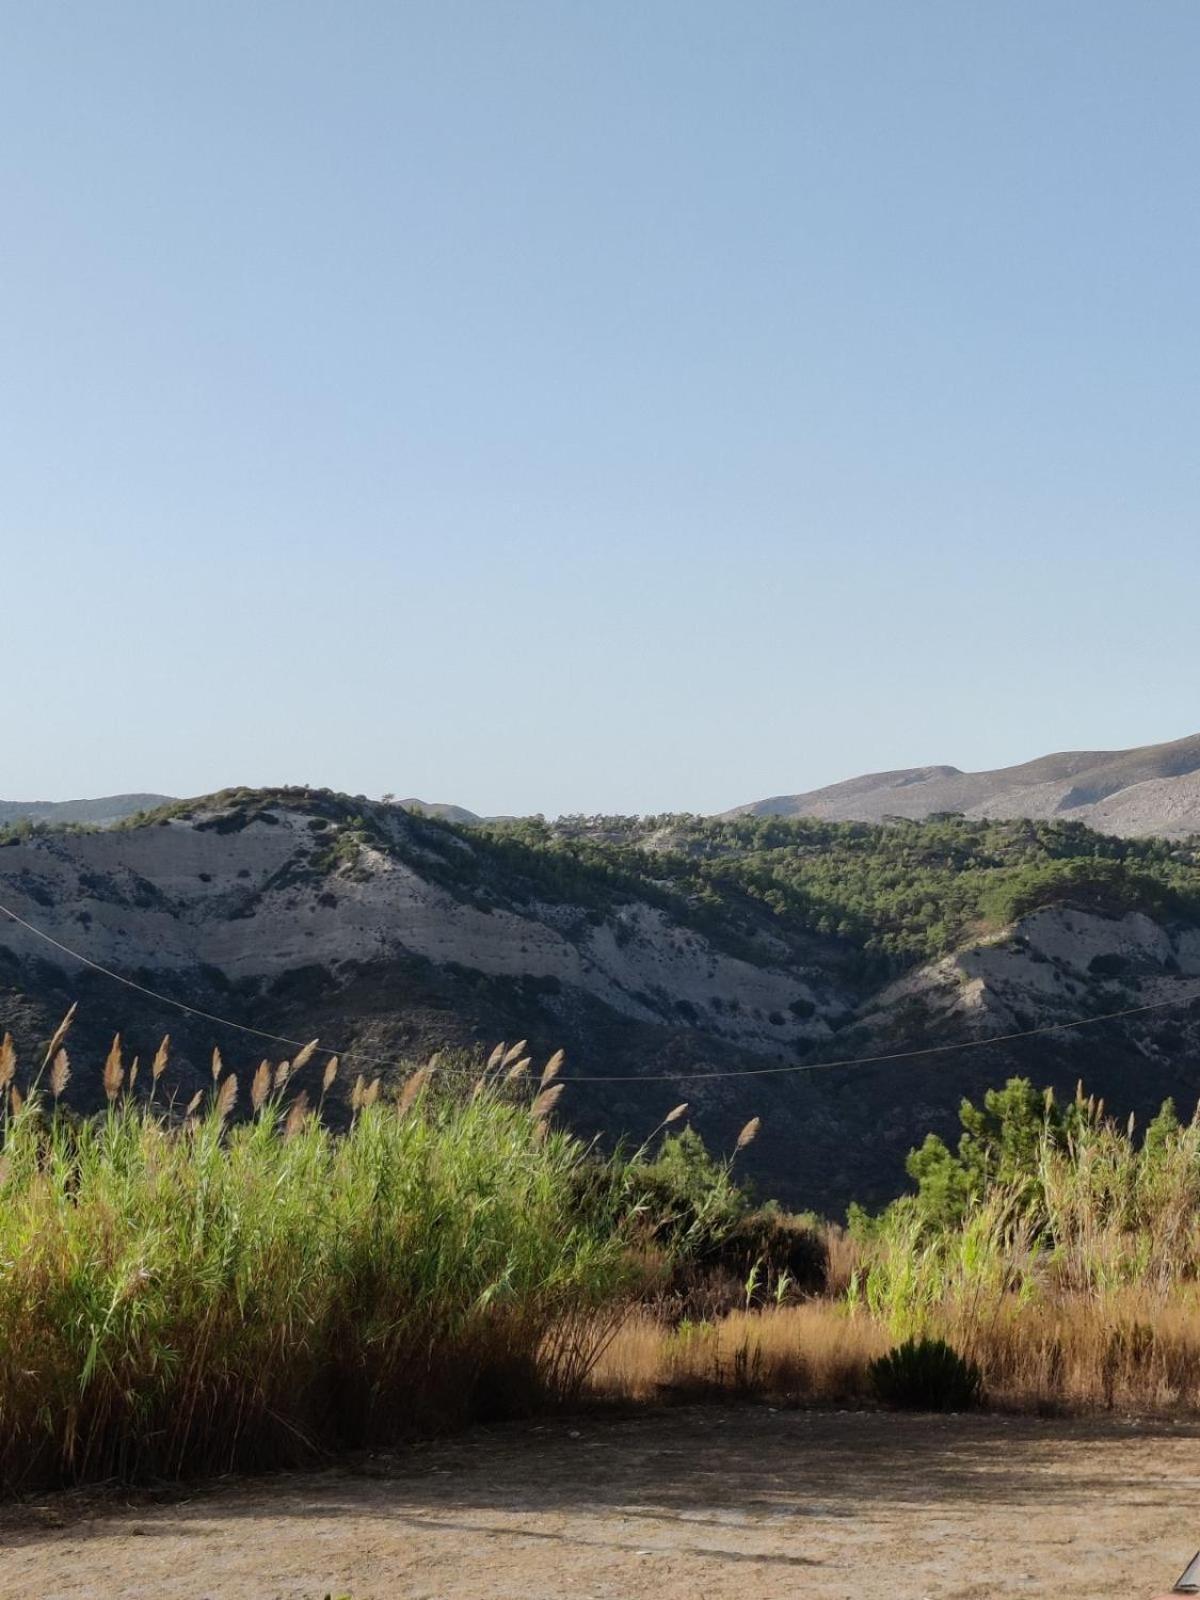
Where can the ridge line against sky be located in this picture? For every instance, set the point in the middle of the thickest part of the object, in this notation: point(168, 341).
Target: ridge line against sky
point(610, 409)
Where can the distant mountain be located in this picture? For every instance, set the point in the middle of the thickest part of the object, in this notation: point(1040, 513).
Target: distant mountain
point(109, 808)
point(441, 810)
point(1153, 789)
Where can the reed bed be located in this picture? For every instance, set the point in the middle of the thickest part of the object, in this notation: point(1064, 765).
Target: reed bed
point(183, 1295)
point(231, 1285)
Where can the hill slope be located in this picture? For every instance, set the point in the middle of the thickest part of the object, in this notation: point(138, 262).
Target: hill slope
point(1154, 789)
point(652, 949)
point(93, 813)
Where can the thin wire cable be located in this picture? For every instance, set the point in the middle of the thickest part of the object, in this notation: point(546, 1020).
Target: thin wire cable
point(786, 1068)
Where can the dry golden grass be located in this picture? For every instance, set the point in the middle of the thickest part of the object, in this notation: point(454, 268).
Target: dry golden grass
point(1074, 1353)
point(813, 1351)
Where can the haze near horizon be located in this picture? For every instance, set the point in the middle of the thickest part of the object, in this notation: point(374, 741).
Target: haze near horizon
point(552, 409)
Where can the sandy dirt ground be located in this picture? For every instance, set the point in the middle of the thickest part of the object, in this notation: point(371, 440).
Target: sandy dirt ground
point(719, 1503)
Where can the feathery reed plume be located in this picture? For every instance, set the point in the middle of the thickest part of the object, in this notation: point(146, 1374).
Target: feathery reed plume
point(435, 1060)
point(59, 1034)
point(282, 1073)
point(8, 1061)
point(327, 1077)
point(60, 1072)
point(674, 1116)
point(546, 1101)
point(479, 1086)
point(217, 1064)
point(496, 1057)
point(193, 1104)
point(260, 1085)
point(552, 1068)
point(133, 1071)
point(371, 1093)
point(356, 1094)
point(304, 1055)
point(114, 1072)
point(411, 1090)
point(518, 1070)
point(513, 1053)
point(748, 1134)
point(15, 1099)
point(297, 1115)
point(159, 1065)
point(226, 1096)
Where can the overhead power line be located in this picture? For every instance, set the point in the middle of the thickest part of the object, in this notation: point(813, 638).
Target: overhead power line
point(778, 1070)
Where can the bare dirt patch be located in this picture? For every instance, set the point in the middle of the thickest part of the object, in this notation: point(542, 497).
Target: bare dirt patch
point(726, 1503)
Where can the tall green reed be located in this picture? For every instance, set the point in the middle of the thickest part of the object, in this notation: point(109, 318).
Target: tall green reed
point(183, 1296)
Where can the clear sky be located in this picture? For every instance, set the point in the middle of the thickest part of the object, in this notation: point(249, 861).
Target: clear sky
point(560, 406)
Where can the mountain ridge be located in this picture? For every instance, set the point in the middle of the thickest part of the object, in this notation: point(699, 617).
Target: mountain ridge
point(100, 812)
point(1145, 790)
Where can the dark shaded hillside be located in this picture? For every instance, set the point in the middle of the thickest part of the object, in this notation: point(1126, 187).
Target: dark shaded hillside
point(657, 948)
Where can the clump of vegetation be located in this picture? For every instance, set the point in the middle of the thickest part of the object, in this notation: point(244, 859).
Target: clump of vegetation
point(926, 1375)
point(1056, 1249)
point(724, 1250)
point(187, 1293)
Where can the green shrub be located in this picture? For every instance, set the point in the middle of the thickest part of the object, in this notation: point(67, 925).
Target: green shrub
point(926, 1375)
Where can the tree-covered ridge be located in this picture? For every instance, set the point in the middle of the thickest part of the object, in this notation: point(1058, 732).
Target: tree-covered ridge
point(900, 891)
point(894, 893)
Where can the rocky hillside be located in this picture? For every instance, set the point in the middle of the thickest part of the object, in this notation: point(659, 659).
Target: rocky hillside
point(653, 950)
point(1154, 789)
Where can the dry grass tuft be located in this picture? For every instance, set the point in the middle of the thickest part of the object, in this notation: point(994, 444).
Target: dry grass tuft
point(226, 1096)
point(546, 1101)
point(304, 1055)
point(411, 1091)
point(748, 1134)
point(260, 1085)
point(161, 1056)
point(812, 1352)
point(60, 1072)
point(8, 1062)
point(114, 1072)
point(297, 1115)
point(60, 1033)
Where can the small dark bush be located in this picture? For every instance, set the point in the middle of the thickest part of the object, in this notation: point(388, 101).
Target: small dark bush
point(926, 1375)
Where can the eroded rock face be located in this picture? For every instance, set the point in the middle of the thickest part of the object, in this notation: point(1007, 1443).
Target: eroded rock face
point(260, 901)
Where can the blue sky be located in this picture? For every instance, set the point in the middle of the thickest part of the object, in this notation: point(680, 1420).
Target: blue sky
point(553, 406)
